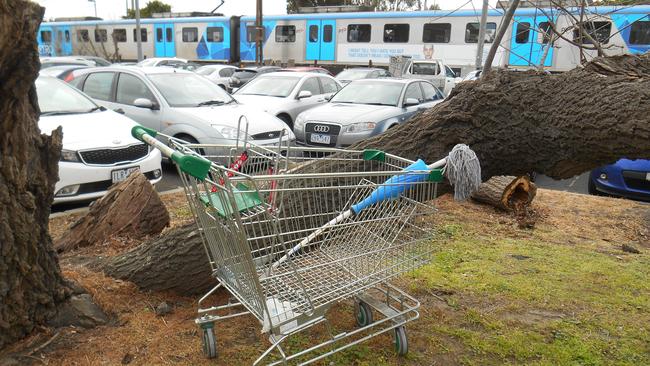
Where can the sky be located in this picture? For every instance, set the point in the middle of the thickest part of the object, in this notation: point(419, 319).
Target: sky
point(115, 9)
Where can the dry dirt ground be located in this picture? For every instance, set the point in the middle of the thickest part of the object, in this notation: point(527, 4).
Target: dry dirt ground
point(561, 293)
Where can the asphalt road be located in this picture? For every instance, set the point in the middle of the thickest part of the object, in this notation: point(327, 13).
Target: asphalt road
point(172, 181)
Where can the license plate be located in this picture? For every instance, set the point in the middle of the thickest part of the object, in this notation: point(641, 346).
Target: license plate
point(122, 174)
point(320, 139)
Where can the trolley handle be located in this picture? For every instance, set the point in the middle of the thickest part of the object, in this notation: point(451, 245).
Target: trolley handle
point(196, 166)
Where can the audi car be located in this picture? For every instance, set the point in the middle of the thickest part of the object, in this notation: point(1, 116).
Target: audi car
point(98, 149)
point(625, 178)
point(362, 109)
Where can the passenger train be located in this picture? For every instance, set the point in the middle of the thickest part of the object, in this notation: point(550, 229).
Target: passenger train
point(358, 38)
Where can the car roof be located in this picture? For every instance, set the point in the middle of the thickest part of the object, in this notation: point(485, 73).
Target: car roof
point(293, 74)
point(142, 70)
point(388, 80)
point(364, 68)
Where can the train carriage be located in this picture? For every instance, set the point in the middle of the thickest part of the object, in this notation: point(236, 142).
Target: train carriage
point(359, 38)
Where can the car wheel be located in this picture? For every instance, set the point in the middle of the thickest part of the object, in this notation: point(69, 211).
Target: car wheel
point(191, 140)
point(286, 119)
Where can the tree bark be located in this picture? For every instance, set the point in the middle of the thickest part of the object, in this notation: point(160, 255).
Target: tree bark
point(31, 284)
point(131, 208)
point(175, 261)
point(507, 193)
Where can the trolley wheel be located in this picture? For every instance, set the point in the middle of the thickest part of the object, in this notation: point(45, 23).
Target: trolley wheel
point(401, 342)
point(209, 341)
point(364, 314)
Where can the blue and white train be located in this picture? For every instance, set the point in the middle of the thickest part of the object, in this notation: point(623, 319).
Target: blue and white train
point(357, 38)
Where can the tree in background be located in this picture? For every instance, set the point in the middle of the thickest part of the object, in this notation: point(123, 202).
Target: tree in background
point(152, 7)
point(293, 5)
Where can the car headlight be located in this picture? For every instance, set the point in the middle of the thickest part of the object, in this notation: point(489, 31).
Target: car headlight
point(360, 127)
point(70, 155)
point(229, 132)
point(299, 124)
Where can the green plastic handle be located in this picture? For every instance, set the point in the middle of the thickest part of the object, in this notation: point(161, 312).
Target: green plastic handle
point(138, 131)
point(196, 166)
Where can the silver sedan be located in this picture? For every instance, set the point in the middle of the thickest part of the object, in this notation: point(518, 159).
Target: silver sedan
point(362, 109)
point(287, 94)
point(218, 74)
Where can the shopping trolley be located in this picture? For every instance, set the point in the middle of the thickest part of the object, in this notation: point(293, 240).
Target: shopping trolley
point(288, 238)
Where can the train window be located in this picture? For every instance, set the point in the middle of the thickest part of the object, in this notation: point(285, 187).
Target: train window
point(101, 35)
point(285, 33)
point(599, 31)
point(82, 35)
point(327, 33)
point(436, 33)
point(522, 32)
point(159, 35)
point(214, 34)
point(396, 33)
point(359, 33)
point(67, 35)
point(472, 29)
point(546, 31)
point(143, 35)
point(119, 35)
point(313, 33)
point(640, 32)
point(46, 36)
point(169, 35)
point(190, 34)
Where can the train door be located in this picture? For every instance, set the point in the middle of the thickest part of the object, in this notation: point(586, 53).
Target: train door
point(164, 41)
point(321, 40)
point(45, 41)
point(530, 39)
point(63, 41)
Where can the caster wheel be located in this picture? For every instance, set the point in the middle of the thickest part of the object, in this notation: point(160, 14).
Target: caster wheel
point(364, 314)
point(401, 342)
point(209, 341)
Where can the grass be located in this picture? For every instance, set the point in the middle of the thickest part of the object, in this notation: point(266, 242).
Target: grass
point(561, 294)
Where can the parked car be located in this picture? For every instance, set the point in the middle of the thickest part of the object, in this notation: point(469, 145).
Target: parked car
point(316, 69)
point(161, 61)
point(364, 108)
point(98, 149)
point(435, 71)
point(242, 76)
point(472, 75)
point(178, 103)
point(287, 94)
point(63, 72)
point(625, 178)
point(346, 76)
point(218, 74)
point(47, 62)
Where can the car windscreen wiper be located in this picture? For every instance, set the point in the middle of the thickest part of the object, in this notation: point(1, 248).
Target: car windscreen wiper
point(61, 113)
point(98, 108)
point(211, 102)
point(380, 104)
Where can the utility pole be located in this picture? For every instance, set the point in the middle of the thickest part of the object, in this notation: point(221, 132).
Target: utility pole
point(138, 35)
point(481, 36)
point(95, 4)
point(259, 34)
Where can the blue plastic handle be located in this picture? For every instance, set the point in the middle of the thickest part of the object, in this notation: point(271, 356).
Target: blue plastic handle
point(394, 186)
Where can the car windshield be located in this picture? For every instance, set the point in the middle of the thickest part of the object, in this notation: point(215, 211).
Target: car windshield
point(244, 73)
point(352, 74)
point(184, 89)
point(205, 70)
point(370, 92)
point(273, 86)
point(57, 97)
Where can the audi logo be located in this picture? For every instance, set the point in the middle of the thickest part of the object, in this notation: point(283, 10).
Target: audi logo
point(321, 128)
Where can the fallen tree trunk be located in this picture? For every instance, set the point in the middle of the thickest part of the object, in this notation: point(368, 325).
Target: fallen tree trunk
point(131, 208)
point(516, 122)
point(507, 193)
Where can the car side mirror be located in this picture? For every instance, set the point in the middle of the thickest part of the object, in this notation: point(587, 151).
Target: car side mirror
point(328, 97)
point(304, 94)
point(410, 102)
point(144, 103)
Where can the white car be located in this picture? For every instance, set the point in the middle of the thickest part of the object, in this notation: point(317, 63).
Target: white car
point(161, 61)
point(218, 74)
point(287, 94)
point(98, 149)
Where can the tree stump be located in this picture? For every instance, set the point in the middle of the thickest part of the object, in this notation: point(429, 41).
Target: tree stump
point(507, 193)
point(131, 208)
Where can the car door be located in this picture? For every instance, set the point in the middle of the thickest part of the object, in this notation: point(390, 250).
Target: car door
point(450, 79)
point(414, 91)
point(129, 88)
point(312, 85)
point(99, 86)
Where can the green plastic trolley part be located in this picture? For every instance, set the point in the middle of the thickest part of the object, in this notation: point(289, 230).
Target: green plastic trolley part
point(245, 199)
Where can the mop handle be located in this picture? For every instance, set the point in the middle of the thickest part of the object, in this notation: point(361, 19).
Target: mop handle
point(304, 242)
